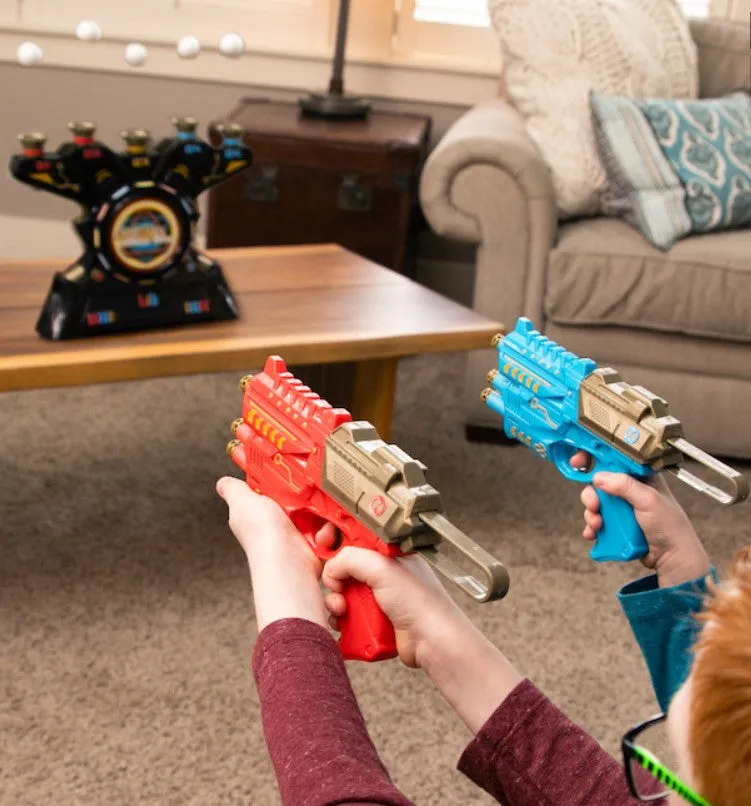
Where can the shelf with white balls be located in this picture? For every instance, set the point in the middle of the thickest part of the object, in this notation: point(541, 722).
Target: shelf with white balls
point(207, 51)
point(160, 21)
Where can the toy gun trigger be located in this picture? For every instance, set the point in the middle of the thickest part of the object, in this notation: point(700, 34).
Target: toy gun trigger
point(738, 482)
point(496, 582)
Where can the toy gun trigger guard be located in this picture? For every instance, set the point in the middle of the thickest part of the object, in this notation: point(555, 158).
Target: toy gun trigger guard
point(562, 452)
point(739, 483)
point(496, 582)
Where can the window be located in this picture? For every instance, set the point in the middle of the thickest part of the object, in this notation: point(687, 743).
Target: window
point(695, 8)
point(453, 12)
point(434, 30)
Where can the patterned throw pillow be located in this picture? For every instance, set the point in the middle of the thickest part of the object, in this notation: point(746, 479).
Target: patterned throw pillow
point(708, 144)
point(676, 167)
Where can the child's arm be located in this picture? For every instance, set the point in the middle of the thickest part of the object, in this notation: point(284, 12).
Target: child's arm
point(314, 730)
point(525, 750)
point(660, 608)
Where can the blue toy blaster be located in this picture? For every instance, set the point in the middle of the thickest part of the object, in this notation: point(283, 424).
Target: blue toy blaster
point(556, 403)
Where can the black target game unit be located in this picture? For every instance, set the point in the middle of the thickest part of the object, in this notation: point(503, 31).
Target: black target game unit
point(140, 268)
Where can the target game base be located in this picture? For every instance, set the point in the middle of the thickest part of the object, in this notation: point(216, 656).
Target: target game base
point(139, 268)
point(78, 307)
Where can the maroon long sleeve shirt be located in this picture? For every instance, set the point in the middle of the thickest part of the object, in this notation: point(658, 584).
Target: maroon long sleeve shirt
point(527, 754)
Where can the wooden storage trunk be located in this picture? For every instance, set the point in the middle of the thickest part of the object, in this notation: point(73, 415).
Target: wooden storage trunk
point(352, 182)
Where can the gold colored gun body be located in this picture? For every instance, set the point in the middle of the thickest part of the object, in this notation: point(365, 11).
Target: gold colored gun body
point(637, 422)
point(386, 490)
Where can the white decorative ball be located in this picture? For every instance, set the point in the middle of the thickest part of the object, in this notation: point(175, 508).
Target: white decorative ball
point(188, 47)
point(29, 53)
point(89, 31)
point(232, 45)
point(135, 54)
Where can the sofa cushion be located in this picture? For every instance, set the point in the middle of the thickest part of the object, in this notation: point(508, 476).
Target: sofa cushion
point(554, 52)
point(603, 272)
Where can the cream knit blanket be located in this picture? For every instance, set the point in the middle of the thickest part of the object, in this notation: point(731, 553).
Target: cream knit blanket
point(556, 51)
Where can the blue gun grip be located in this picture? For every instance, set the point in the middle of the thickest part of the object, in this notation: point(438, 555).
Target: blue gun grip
point(620, 539)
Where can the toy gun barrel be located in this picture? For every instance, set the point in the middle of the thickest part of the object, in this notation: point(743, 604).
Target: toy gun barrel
point(739, 483)
point(496, 582)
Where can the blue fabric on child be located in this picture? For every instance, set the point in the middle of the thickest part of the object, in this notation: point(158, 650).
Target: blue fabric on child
point(664, 625)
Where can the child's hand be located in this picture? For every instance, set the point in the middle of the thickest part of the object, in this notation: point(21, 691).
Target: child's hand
point(432, 633)
point(675, 551)
point(406, 589)
point(284, 569)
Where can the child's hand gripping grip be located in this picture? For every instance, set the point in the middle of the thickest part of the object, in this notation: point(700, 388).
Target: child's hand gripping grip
point(366, 632)
point(621, 538)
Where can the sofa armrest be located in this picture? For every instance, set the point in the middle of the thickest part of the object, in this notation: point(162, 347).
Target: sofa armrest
point(491, 134)
point(723, 53)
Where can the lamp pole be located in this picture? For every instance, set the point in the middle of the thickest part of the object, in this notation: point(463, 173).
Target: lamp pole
point(334, 104)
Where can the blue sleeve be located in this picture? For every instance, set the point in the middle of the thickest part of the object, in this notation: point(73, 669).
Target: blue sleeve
point(664, 626)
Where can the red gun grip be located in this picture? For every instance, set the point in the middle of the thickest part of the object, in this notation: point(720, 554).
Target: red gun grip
point(366, 632)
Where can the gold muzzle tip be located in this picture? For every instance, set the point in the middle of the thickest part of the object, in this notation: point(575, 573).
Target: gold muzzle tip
point(490, 377)
point(245, 380)
point(236, 424)
point(496, 340)
point(485, 394)
point(233, 445)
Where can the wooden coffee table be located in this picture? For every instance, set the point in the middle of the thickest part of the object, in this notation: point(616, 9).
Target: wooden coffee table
point(341, 319)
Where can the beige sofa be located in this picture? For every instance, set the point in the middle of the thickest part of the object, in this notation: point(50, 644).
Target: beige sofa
point(678, 323)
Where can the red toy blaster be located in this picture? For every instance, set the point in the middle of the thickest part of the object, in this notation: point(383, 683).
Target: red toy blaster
point(320, 466)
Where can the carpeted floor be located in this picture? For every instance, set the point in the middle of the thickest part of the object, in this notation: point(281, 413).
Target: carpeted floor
point(126, 624)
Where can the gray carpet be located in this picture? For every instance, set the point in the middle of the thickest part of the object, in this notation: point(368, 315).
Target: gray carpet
point(126, 616)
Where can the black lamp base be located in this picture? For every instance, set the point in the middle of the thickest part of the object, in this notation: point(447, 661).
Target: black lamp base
point(331, 106)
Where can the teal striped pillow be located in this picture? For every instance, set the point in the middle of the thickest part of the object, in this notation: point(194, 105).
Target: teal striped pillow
point(676, 167)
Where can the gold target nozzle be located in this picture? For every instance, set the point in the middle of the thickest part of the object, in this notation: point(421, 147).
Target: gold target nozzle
point(233, 445)
point(236, 424)
point(82, 128)
point(33, 139)
point(136, 137)
point(496, 340)
point(230, 129)
point(245, 380)
point(492, 375)
point(485, 394)
point(185, 124)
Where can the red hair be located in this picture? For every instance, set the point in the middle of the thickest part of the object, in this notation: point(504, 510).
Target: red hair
point(719, 735)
